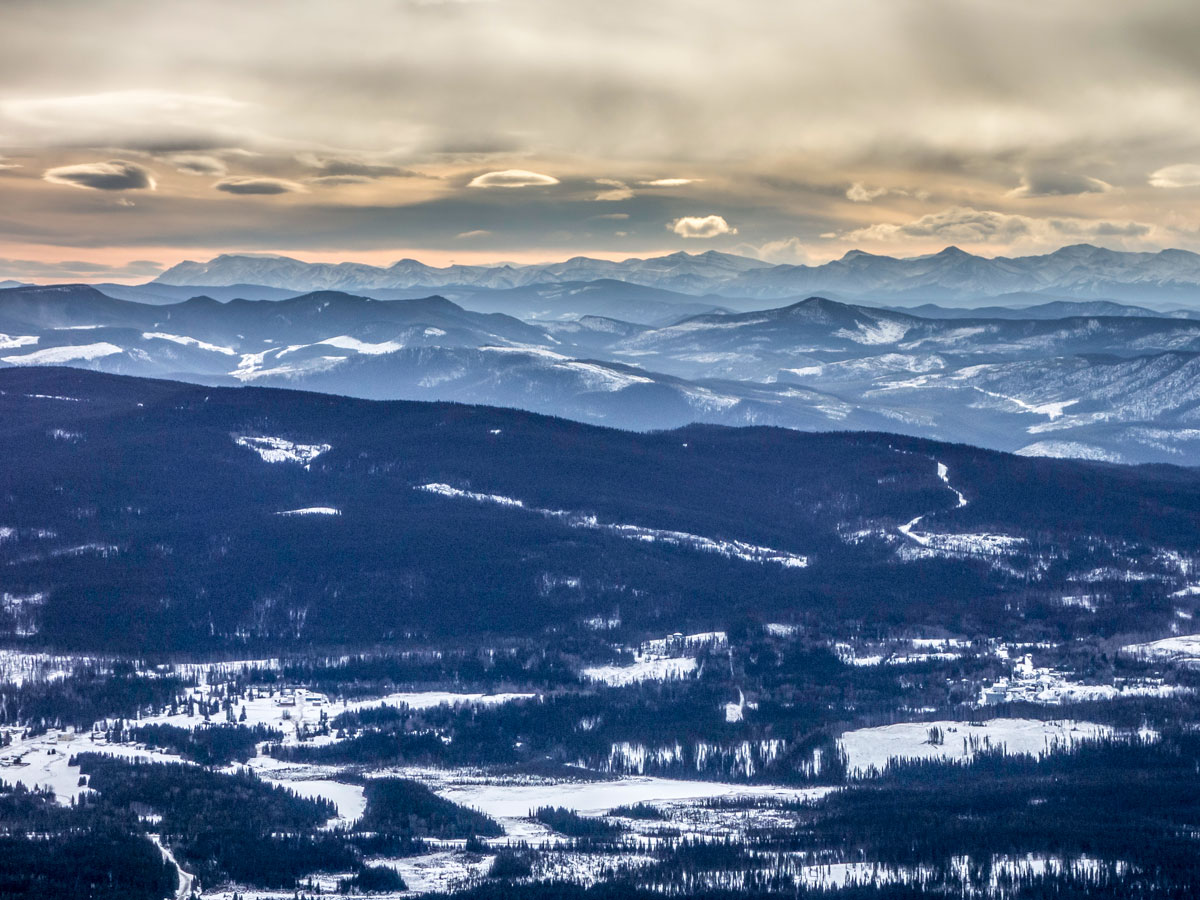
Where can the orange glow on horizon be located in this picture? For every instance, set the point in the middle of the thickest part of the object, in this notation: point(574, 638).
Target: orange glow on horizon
point(168, 256)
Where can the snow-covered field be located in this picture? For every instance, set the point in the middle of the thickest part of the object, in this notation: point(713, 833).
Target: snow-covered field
point(43, 761)
point(645, 670)
point(868, 748)
point(1185, 648)
point(276, 449)
point(511, 803)
point(441, 871)
point(298, 708)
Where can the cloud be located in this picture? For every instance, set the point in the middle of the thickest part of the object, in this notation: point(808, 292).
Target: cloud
point(197, 164)
point(965, 225)
point(619, 190)
point(8, 165)
point(791, 250)
point(114, 175)
point(341, 179)
point(346, 167)
point(1058, 184)
point(669, 182)
point(612, 216)
point(147, 119)
point(466, 235)
point(860, 193)
point(259, 186)
point(701, 227)
point(512, 178)
point(1180, 176)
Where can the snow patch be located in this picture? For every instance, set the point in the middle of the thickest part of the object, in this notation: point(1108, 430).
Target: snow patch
point(345, 342)
point(275, 449)
point(185, 341)
point(53, 356)
point(11, 342)
point(879, 332)
point(1068, 450)
point(729, 548)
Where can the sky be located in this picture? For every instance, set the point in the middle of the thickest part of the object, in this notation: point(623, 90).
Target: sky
point(136, 134)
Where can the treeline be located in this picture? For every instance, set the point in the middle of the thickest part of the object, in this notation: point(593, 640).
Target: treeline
point(1128, 806)
point(409, 809)
point(585, 726)
point(572, 824)
point(207, 745)
point(89, 694)
point(798, 697)
point(529, 663)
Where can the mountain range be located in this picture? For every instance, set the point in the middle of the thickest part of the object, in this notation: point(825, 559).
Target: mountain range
point(1121, 388)
point(1080, 272)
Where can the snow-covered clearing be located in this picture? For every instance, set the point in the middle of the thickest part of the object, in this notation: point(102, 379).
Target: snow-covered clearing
point(727, 548)
point(1184, 649)
point(510, 804)
point(645, 670)
point(311, 511)
point(290, 710)
point(679, 643)
point(974, 544)
point(880, 332)
point(445, 870)
point(276, 449)
point(349, 799)
point(868, 748)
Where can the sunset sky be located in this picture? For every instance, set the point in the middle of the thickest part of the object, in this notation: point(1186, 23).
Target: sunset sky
point(137, 134)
